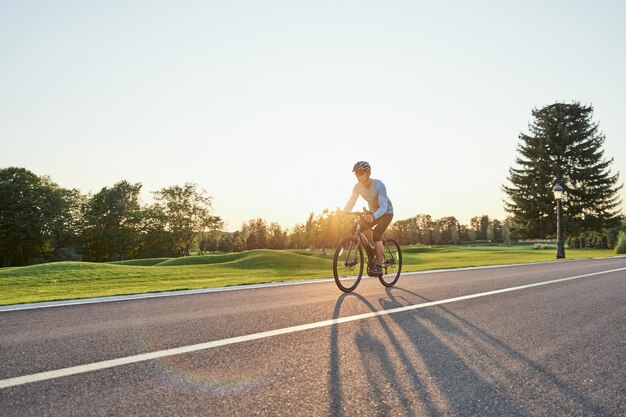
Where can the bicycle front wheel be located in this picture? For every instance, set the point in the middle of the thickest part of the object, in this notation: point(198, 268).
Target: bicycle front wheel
point(392, 266)
point(348, 264)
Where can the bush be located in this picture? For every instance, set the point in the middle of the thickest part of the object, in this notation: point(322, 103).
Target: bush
point(620, 247)
point(65, 254)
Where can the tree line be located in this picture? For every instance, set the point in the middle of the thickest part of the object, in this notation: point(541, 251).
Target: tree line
point(324, 230)
point(41, 221)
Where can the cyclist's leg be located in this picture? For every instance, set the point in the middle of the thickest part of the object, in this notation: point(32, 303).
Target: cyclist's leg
point(364, 228)
point(380, 225)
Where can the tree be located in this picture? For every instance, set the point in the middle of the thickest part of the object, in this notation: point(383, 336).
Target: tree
point(30, 207)
point(464, 233)
point(505, 235)
point(67, 231)
point(277, 237)
point(424, 223)
point(239, 245)
point(326, 229)
point(417, 229)
point(297, 237)
point(113, 220)
point(447, 226)
point(226, 244)
point(454, 234)
point(203, 243)
point(257, 234)
point(613, 234)
point(311, 231)
point(155, 240)
point(497, 227)
point(480, 224)
point(187, 212)
point(436, 234)
point(404, 231)
point(564, 147)
point(213, 245)
point(490, 233)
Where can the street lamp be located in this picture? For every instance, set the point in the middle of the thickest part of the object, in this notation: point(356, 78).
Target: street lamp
point(560, 248)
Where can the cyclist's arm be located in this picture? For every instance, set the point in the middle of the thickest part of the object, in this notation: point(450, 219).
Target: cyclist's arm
point(382, 202)
point(350, 205)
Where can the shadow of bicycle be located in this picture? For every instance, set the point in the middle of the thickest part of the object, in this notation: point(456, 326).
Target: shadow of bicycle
point(431, 362)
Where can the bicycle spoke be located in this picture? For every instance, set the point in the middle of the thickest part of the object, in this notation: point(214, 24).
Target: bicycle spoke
point(348, 264)
point(392, 264)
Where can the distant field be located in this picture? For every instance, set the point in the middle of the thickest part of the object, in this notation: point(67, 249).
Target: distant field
point(69, 280)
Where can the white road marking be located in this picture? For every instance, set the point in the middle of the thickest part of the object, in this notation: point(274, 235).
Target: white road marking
point(42, 376)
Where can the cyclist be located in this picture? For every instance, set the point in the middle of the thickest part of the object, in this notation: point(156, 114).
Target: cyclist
point(374, 192)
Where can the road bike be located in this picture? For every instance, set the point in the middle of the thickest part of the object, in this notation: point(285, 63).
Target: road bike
point(348, 259)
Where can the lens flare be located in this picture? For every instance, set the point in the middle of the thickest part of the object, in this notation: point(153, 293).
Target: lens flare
point(200, 371)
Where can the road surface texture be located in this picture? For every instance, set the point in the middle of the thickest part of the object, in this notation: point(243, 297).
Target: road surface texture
point(421, 348)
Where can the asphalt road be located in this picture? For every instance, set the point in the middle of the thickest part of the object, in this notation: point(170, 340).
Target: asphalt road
point(418, 349)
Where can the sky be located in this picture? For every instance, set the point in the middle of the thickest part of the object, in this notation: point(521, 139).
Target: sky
point(266, 105)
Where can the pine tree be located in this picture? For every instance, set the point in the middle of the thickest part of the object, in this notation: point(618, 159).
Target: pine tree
point(564, 147)
point(225, 244)
point(239, 245)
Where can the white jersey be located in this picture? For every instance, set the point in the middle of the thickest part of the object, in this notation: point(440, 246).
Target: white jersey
point(376, 197)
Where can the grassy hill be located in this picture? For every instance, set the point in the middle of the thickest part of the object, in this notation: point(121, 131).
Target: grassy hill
point(141, 262)
point(68, 280)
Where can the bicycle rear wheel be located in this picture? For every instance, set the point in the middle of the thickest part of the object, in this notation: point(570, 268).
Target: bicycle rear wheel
point(348, 264)
point(392, 265)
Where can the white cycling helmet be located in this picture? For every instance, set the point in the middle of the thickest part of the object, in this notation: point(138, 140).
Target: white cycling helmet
point(362, 166)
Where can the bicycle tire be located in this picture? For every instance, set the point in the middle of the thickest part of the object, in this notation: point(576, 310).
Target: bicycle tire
point(347, 261)
point(392, 265)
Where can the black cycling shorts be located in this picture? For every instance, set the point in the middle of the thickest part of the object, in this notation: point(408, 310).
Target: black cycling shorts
point(378, 226)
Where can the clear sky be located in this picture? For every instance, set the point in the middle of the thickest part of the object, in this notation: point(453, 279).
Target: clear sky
point(267, 104)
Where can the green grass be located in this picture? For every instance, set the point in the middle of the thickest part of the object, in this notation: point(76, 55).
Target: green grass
point(69, 280)
point(141, 262)
point(443, 257)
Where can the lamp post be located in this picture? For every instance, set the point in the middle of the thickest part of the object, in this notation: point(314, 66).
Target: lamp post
point(560, 248)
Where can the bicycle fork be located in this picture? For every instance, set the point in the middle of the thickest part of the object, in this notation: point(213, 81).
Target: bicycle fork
point(371, 254)
point(351, 257)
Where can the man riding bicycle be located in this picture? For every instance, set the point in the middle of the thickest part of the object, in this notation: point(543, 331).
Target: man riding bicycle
point(374, 192)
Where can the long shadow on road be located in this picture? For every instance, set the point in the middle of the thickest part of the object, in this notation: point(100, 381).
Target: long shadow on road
point(506, 362)
point(434, 362)
point(370, 350)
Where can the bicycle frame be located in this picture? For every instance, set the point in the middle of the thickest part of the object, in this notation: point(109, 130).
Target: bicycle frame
point(365, 243)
